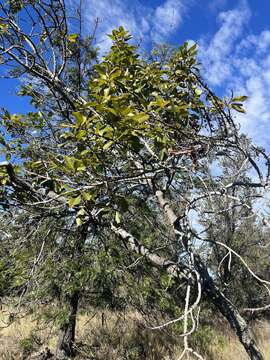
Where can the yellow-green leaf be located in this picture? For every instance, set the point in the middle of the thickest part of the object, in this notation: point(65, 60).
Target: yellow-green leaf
point(141, 117)
point(74, 201)
point(238, 107)
point(87, 196)
point(240, 98)
point(73, 38)
point(108, 145)
point(117, 217)
point(69, 162)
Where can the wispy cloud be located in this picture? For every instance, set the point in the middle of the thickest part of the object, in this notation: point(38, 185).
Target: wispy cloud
point(253, 79)
point(146, 23)
point(217, 5)
point(216, 53)
point(167, 19)
point(233, 60)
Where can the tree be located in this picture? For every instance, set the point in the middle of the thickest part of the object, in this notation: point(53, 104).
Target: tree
point(241, 230)
point(39, 42)
point(144, 136)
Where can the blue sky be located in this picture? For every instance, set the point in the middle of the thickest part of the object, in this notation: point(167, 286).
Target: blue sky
point(233, 39)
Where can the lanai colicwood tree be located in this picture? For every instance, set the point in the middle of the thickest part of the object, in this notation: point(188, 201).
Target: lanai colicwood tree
point(143, 136)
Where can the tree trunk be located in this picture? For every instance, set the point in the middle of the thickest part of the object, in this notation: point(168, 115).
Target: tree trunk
point(237, 323)
point(66, 337)
point(211, 291)
point(224, 305)
point(229, 311)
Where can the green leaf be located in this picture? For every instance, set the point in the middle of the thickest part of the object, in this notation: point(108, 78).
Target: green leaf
point(79, 165)
point(115, 73)
point(117, 217)
point(87, 196)
point(163, 154)
point(141, 117)
point(240, 99)
point(161, 102)
point(81, 119)
point(238, 107)
point(70, 162)
point(106, 92)
point(81, 212)
point(73, 38)
point(3, 27)
point(74, 201)
point(108, 145)
point(78, 221)
point(105, 130)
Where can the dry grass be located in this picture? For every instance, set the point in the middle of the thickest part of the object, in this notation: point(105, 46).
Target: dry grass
point(22, 336)
point(118, 336)
point(232, 350)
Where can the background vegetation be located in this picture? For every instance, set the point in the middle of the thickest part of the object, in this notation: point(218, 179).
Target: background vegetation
point(129, 201)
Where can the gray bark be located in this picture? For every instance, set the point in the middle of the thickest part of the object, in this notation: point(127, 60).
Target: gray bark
point(210, 290)
point(229, 311)
point(214, 295)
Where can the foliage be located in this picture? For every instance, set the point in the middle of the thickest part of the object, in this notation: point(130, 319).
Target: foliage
point(103, 178)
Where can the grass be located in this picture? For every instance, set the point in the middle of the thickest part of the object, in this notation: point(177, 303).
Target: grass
point(122, 336)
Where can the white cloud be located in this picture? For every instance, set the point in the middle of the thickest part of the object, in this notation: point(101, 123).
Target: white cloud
point(167, 18)
point(216, 53)
point(259, 42)
point(257, 120)
point(216, 5)
point(144, 22)
point(111, 14)
point(232, 60)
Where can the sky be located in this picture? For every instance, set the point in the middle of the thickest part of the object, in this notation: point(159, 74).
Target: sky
point(233, 38)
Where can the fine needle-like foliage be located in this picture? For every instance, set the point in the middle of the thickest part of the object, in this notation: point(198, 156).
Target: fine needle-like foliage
point(118, 180)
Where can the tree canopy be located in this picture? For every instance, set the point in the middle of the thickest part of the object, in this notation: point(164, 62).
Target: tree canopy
point(124, 167)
